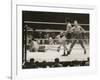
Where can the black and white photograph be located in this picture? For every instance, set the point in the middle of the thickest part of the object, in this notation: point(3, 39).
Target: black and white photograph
point(55, 39)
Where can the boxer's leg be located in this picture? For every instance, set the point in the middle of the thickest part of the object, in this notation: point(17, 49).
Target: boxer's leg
point(58, 48)
point(81, 43)
point(71, 47)
point(65, 48)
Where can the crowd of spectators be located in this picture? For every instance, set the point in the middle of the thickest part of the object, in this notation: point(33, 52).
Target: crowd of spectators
point(50, 37)
point(57, 63)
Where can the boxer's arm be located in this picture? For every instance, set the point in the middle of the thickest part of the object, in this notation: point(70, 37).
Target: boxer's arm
point(72, 29)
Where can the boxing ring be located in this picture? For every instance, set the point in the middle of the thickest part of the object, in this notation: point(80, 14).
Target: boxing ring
point(51, 53)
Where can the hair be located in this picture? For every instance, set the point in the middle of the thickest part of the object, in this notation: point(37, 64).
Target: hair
point(32, 60)
point(57, 60)
point(37, 62)
point(67, 20)
point(33, 39)
point(30, 41)
point(44, 64)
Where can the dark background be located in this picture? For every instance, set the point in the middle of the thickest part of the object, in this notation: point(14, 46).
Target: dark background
point(53, 17)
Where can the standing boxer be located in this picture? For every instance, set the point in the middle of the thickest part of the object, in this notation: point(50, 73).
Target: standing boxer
point(62, 40)
point(68, 33)
point(77, 35)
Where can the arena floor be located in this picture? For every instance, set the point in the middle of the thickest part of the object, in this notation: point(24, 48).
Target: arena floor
point(51, 53)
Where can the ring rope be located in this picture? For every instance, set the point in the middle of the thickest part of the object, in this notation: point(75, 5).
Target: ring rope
point(34, 22)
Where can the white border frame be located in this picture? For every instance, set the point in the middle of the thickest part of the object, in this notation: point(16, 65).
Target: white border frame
point(17, 73)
